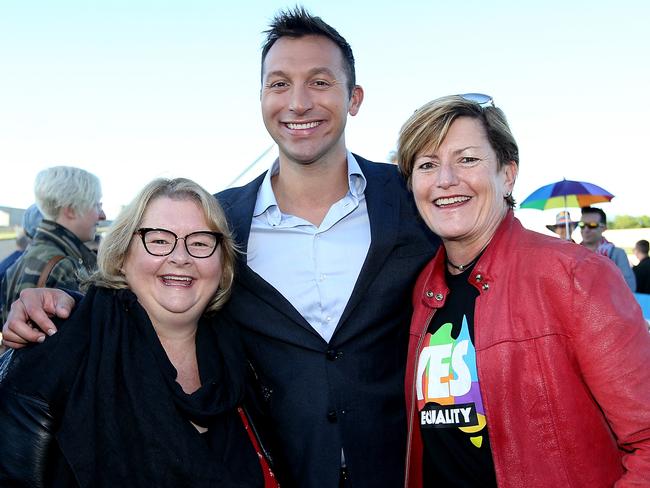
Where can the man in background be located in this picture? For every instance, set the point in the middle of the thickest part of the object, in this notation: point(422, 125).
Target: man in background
point(642, 270)
point(593, 222)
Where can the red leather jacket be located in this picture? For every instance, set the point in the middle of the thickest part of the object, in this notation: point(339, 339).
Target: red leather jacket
point(563, 358)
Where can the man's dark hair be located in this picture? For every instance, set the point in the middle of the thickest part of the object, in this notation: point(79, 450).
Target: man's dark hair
point(595, 210)
point(298, 23)
point(643, 246)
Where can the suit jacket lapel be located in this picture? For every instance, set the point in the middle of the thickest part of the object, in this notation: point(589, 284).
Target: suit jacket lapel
point(383, 213)
point(239, 211)
point(240, 214)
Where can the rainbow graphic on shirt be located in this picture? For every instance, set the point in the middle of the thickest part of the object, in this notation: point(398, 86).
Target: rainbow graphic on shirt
point(447, 388)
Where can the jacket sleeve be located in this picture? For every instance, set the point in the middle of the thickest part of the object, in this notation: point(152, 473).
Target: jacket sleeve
point(612, 345)
point(26, 425)
point(620, 259)
point(34, 386)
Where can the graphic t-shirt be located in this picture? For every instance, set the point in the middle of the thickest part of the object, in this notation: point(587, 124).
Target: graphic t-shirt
point(450, 407)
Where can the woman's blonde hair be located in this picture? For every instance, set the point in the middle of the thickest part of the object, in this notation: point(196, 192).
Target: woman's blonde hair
point(115, 245)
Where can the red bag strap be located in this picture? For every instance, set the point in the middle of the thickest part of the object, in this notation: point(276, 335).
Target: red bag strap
point(269, 478)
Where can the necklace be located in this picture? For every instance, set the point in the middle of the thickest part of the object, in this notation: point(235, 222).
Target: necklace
point(462, 267)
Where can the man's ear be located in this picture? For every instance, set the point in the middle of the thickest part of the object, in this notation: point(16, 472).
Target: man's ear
point(356, 98)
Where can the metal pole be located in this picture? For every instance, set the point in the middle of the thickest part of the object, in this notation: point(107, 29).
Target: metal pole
point(566, 221)
point(257, 160)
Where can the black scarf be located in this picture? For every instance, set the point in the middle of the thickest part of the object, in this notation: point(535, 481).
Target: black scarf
point(126, 420)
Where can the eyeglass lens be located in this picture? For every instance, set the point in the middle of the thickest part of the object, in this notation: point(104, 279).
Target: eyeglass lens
point(160, 242)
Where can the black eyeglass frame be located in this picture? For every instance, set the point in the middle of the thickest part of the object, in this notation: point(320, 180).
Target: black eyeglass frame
point(142, 232)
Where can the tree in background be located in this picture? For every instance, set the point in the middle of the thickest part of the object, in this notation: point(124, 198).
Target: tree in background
point(629, 222)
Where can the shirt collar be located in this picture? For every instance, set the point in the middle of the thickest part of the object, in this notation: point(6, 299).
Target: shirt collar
point(266, 201)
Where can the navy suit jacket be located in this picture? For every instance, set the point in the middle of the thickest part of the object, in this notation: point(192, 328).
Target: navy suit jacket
point(347, 394)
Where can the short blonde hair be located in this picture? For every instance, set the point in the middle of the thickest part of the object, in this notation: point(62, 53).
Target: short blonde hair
point(66, 186)
point(114, 247)
point(428, 127)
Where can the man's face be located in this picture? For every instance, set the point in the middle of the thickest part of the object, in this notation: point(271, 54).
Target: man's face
point(589, 235)
point(305, 100)
point(637, 253)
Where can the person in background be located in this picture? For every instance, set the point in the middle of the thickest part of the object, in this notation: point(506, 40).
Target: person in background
point(642, 270)
point(22, 241)
point(593, 222)
point(141, 386)
point(528, 356)
point(31, 218)
point(70, 200)
point(563, 226)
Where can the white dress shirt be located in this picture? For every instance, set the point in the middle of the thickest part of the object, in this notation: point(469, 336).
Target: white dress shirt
point(314, 268)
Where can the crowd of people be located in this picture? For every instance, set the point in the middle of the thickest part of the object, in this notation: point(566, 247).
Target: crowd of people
point(335, 322)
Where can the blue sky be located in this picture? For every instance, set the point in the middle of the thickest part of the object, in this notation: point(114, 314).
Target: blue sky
point(131, 90)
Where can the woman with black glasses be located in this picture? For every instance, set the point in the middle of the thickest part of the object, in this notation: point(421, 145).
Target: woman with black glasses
point(141, 386)
point(528, 355)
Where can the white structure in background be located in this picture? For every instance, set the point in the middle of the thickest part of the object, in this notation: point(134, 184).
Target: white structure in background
point(253, 170)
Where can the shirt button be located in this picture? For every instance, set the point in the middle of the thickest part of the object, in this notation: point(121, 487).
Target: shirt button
point(331, 416)
point(429, 294)
point(328, 319)
point(486, 286)
point(439, 297)
point(479, 278)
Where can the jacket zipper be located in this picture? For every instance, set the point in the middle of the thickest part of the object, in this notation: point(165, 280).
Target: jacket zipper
point(411, 412)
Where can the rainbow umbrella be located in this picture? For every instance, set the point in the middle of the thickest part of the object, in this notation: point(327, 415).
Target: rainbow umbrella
point(566, 193)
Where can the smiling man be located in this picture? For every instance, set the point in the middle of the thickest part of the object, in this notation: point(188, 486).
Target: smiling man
point(332, 247)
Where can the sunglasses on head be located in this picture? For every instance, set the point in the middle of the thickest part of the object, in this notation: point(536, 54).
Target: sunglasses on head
point(590, 225)
point(479, 98)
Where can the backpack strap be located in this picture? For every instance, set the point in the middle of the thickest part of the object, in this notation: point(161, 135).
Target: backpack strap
point(42, 279)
